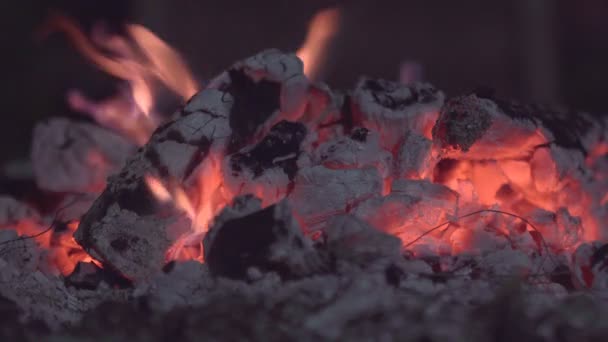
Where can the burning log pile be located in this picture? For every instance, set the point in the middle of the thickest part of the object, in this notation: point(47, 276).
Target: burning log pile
point(278, 206)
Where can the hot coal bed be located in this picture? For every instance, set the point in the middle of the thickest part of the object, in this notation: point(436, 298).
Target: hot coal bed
point(273, 208)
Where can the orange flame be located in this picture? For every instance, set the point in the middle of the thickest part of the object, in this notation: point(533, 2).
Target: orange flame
point(322, 31)
point(142, 60)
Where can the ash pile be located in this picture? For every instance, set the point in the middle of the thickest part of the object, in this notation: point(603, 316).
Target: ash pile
point(272, 208)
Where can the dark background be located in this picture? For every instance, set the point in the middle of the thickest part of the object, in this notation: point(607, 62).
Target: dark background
point(539, 51)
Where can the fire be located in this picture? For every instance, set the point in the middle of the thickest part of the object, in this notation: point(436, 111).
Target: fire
point(142, 60)
point(508, 196)
point(200, 206)
point(322, 31)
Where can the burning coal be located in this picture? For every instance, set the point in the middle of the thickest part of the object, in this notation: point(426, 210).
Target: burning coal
point(265, 172)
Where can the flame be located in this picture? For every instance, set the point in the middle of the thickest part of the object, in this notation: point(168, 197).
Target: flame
point(199, 205)
point(142, 60)
point(322, 31)
point(61, 252)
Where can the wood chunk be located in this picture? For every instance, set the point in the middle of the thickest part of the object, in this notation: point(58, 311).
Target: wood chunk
point(320, 193)
point(392, 109)
point(70, 156)
point(362, 148)
point(267, 240)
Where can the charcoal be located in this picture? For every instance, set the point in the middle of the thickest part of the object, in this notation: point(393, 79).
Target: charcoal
point(39, 296)
point(392, 109)
point(410, 209)
point(415, 159)
point(269, 240)
point(70, 156)
point(265, 88)
point(185, 284)
point(320, 193)
point(267, 168)
point(360, 149)
point(475, 127)
point(21, 253)
point(88, 276)
point(350, 240)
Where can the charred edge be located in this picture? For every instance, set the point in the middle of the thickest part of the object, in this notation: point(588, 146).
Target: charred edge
point(204, 146)
point(381, 92)
point(80, 279)
point(567, 126)
point(254, 104)
point(154, 158)
point(283, 139)
point(601, 255)
point(138, 199)
point(359, 134)
point(346, 113)
point(243, 243)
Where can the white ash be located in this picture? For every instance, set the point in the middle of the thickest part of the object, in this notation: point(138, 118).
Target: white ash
point(360, 149)
point(76, 157)
point(353, 242)
point(12, 212)
point(185, 284)
point(320, 193)
point(415, 158)
point(22, 254)
point(39, 296)
point(134, 245)
point(392, 108)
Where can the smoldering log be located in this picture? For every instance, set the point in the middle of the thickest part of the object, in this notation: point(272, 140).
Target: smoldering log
point(121, 229)
point(238, 108)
